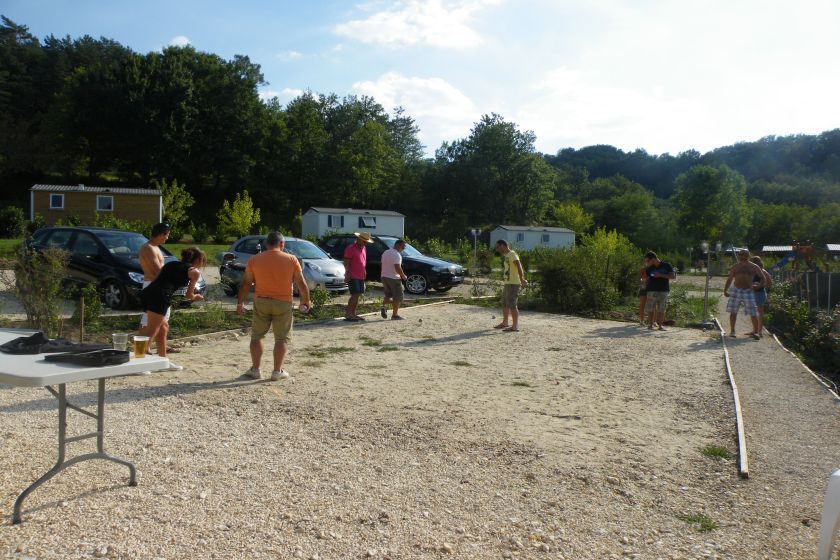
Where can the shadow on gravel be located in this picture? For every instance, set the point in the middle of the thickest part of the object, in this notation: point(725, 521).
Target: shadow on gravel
point(453, 338)
point(628, 330)
point(127, 394)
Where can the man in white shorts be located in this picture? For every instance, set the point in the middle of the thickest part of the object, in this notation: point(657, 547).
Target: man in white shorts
point(151, 261)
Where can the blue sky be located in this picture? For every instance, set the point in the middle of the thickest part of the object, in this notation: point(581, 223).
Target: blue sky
point(664, 76)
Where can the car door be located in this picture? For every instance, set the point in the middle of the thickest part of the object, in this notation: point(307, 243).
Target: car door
point(374, 259)
point(89, 262)
point(247, 248)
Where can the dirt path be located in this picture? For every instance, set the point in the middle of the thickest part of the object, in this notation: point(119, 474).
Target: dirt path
point(792, 423)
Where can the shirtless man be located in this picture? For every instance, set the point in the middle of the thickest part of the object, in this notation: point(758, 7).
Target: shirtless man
point(742, 275)
point(151, 261)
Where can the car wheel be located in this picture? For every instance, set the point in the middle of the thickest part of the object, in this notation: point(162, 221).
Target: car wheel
point(230, 289)
point(416, 284)
point(114, 295)
point(443, 289)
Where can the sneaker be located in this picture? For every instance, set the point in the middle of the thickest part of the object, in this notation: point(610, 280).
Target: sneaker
point(383, 312)
point(173, 367)
point(278, 375)
point(397, 318)
point(253, 373)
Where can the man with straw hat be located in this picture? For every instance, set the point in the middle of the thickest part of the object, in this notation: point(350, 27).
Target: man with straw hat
point(355, 266)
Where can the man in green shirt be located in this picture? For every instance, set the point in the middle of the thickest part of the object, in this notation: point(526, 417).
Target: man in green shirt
point(514, 278)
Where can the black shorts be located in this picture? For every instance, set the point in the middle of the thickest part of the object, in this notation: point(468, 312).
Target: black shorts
point(642, 293)
point(356, 286)
point(155, 301)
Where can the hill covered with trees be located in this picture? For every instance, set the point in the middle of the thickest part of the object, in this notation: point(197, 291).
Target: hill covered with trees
point(93, 111)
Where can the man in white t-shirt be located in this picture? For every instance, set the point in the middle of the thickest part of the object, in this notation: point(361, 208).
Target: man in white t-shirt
point(392, 277)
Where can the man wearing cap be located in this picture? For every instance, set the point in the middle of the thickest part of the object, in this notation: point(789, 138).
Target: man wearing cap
point(152, 261)
point(355, 266)
point(272, 271)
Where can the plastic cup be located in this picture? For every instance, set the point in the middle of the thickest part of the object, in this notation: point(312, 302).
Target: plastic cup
point(120, 341)
point(141, 344)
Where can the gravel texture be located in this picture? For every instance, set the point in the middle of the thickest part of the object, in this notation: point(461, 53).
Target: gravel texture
point(572, 439)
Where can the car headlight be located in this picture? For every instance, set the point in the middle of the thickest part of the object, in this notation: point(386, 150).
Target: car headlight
point(136, 277)
point(314, 266)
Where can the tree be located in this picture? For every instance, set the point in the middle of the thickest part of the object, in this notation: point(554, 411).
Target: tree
point(176, 202)
point(239, 217)
point(570, 215)
point(712, 204)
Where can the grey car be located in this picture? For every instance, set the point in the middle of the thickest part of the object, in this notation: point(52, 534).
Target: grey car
point(319, 269)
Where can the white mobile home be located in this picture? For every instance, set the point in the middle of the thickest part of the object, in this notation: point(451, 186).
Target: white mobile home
point(528, 237)
point(318, 221)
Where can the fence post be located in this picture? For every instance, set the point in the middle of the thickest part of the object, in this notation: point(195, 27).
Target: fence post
point(808, 289)
point(81, 319)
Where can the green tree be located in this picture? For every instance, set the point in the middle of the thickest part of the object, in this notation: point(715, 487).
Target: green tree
point(712, 204)
point(239, 217)
point(176, 202)
point(570, 215)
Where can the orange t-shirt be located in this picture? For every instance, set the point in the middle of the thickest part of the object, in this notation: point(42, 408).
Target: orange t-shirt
point(273, 272)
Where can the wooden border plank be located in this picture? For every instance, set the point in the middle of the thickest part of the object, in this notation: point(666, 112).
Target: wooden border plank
point(743, 464)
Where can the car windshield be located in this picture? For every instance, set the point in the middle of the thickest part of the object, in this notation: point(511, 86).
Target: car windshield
point(304, 249)
point(409, 251)
point(123, 244)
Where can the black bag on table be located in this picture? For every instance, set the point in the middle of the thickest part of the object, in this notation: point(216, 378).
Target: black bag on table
point(95, 358)
point(39, 344)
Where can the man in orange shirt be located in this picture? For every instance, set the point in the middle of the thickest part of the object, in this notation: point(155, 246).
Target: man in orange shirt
point(272, 272)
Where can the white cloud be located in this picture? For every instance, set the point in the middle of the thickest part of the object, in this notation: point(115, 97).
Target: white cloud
point(179, 41)
point(289, 55)
point(441, 110)
point(439, 23)
point(284, 95)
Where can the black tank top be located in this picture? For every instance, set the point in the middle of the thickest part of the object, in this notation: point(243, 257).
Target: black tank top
point(173, 276)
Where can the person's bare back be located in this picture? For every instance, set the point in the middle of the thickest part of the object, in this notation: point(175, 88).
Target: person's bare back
point(151, 261)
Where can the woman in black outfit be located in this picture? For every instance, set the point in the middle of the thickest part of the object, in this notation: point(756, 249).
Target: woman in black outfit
point(156, 298)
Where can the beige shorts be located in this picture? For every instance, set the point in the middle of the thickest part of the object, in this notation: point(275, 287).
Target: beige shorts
point(393, 288)
point(510, 296)
point(658, 300)
point(275, 314)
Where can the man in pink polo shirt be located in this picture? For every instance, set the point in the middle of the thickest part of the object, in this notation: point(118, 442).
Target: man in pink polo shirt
point(355, 266)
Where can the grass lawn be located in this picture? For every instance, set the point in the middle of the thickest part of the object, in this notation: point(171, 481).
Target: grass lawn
point(212, 250)
point(8, 246)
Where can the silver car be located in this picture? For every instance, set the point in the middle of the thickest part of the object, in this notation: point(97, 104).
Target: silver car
point(319, 269)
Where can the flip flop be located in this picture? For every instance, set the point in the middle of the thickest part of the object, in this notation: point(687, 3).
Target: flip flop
point(510, 329)
point(501, 327)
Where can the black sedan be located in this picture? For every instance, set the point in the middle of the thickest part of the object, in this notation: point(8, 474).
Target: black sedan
point(423, 273)
point(108, 258)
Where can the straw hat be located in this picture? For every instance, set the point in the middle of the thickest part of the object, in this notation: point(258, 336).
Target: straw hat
point(364, 236)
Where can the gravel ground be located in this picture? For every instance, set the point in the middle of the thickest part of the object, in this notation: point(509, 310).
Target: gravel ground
point(573, 439)
point(791, 422)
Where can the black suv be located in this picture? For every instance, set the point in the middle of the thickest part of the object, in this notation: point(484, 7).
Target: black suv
point(105, 257)
point(423, 272)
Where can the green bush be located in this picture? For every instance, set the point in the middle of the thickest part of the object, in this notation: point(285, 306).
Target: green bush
point(590, 276)
point(200, 233)
point(812, 332)
point(435, 247)
point(36, 224)
point(93, 304)
point(108, 220)
point(12, 222)
point(38, 286)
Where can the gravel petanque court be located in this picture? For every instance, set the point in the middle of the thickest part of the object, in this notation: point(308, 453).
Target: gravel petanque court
point(432, 437)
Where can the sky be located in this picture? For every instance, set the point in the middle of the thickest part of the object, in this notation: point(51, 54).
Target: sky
point(663, 76)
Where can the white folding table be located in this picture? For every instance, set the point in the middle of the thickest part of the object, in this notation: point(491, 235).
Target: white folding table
point(31, 370)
